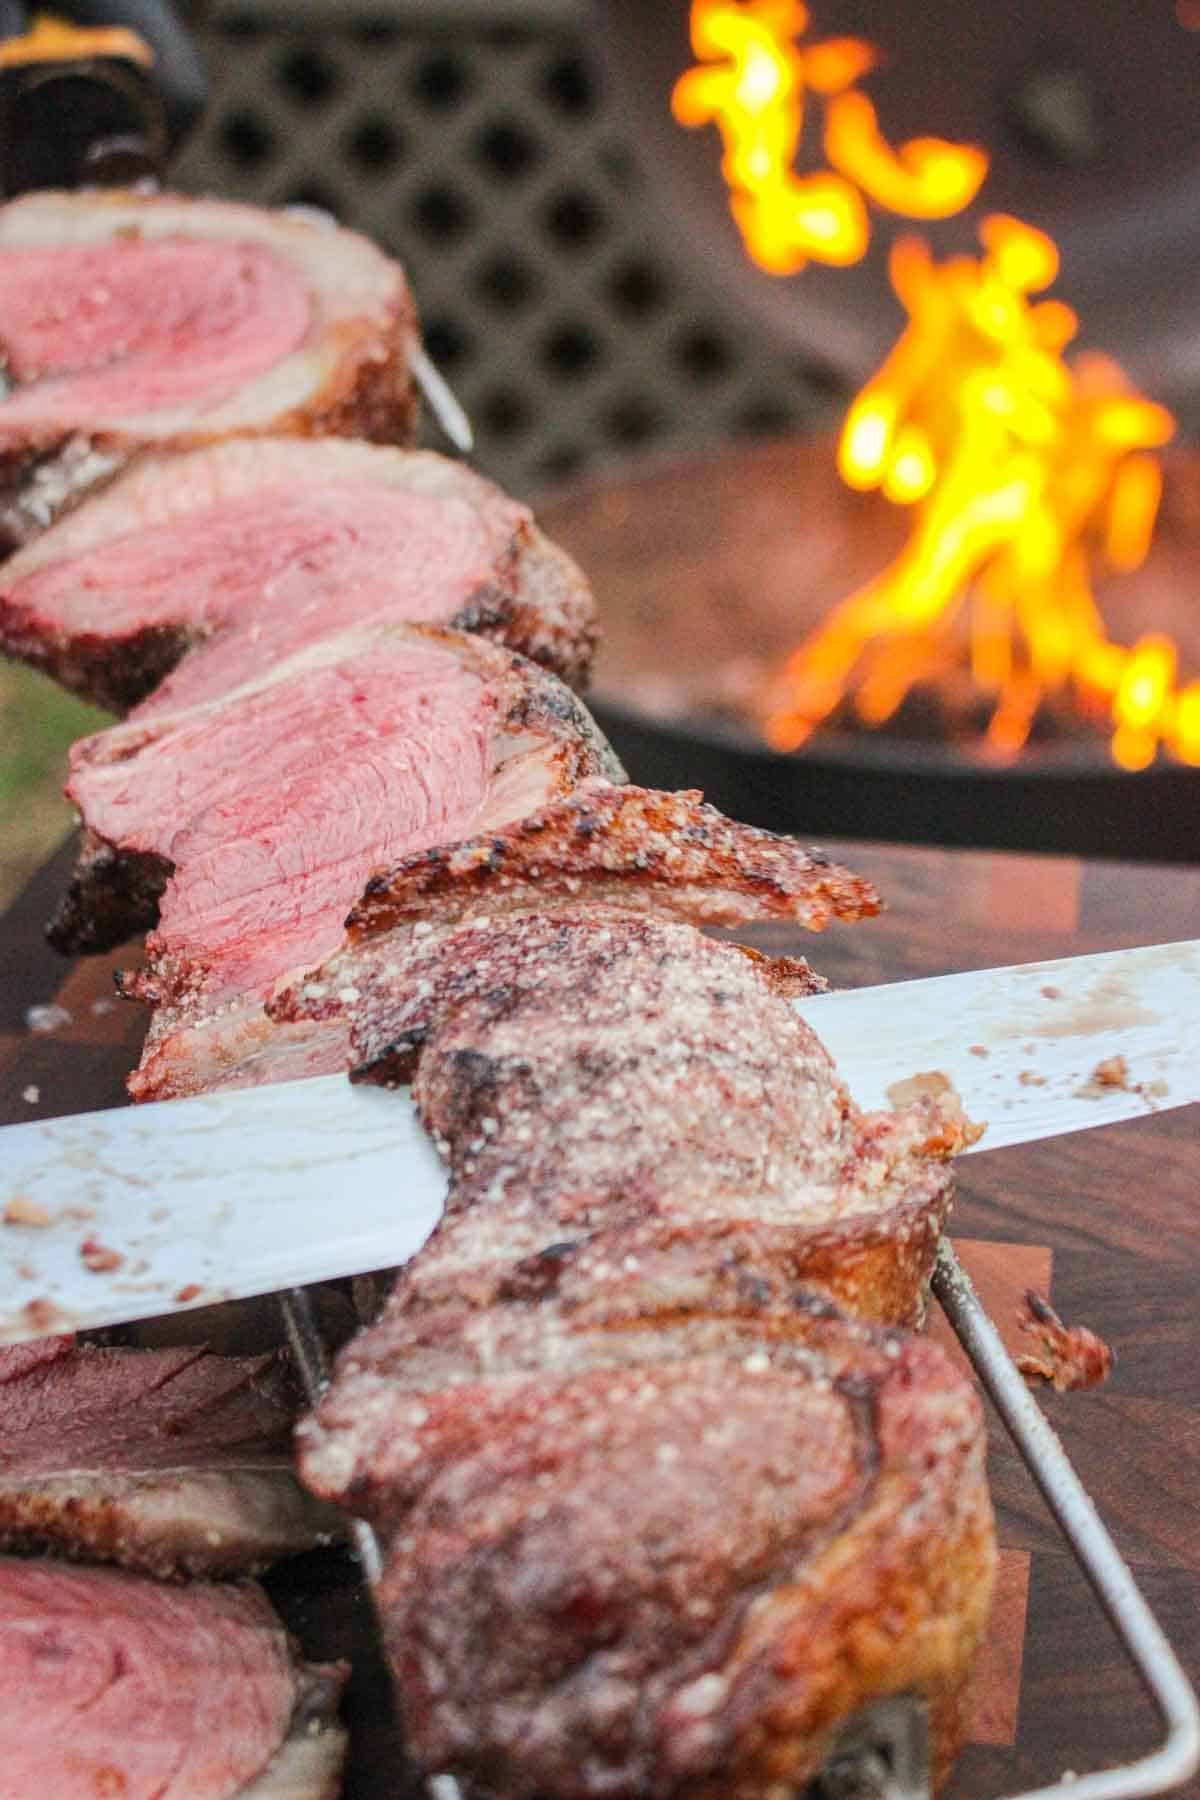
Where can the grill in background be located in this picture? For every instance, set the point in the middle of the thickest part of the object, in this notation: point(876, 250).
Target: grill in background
point(473, 140)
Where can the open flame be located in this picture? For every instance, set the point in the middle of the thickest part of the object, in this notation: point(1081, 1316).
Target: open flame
point(1025, 471)
point(751, 81)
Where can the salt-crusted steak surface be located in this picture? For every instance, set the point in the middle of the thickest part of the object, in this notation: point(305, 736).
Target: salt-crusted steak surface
point(113, 1684)
point(267, 811)
point(130, 320)
point(658, 1533)
point(246, 551)
point(636, 849)
point(627, 846)
point(597, 1071)
point(171, 1461)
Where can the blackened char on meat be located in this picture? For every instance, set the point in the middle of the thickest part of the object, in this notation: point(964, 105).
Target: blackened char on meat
point(272, 806)
point(605, 1072)
point(113, 1684)
point(245, 552)
point(129, 321)
point(649, 853)
point(172, 1461)
point(657, 1529)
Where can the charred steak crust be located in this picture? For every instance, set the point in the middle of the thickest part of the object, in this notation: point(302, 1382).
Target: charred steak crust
point(173, 1462)
point(661, 1536)
point(630, 845)
point(602, 1072)
point(110, 601)
point(113, 895)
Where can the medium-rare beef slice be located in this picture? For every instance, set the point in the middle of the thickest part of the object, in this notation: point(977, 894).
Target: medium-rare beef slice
point(114, 1684)
point(656, 1549)
point(129, 321)
point(591, 1073)
point(245, 551)
point(170, 1461)
point(273, 805)
point(653, 853)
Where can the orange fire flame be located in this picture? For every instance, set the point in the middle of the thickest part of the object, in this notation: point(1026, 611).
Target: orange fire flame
point(751, 82)
point(1024, 471)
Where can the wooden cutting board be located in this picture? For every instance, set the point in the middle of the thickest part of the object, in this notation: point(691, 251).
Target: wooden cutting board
point(1107, 1222)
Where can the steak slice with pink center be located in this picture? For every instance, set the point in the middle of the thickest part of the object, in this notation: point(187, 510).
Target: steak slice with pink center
point(101, 331)
point(115, 1684)
point(243, 552)
point(171, 1461)
point(129, 321)
point(250, 825)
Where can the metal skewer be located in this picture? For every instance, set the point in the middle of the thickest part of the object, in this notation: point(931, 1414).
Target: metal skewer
point(1178, 1757)
point(309, 1352)
point(444, 404)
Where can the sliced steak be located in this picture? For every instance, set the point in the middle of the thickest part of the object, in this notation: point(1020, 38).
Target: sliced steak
point(252, 550)
point(170, 1461)
point(115, 1684)
point(661, 1542)
point(272, 806)
point(629, 848)
point(600, 1072)
point(129, 321)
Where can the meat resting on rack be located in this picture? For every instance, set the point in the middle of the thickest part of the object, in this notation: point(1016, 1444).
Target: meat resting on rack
point(175, 1461)
point(254, 549)
point(130, 321)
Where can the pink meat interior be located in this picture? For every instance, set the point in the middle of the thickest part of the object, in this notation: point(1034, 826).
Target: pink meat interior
point(94, 334)
point(276, 806)
point(114, 1684)
point(270, 572)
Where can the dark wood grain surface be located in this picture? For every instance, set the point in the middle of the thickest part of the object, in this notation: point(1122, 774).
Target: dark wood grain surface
point(1106, 1219)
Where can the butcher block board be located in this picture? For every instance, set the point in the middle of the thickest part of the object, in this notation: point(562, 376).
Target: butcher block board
point(1106, 1221)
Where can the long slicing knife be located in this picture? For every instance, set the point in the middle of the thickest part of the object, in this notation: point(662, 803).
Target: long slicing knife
point(114, 1216)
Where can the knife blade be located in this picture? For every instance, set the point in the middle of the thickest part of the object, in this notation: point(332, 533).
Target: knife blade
point(114, 1216)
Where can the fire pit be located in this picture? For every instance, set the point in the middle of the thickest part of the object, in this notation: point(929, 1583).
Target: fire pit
point(709, 570)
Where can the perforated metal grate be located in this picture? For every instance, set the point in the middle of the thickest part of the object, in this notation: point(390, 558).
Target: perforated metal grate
point(482, 154)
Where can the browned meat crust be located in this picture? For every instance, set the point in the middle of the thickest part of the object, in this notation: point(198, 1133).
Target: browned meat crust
point(113, 894)
point(632, 846)
point(540, 742)
point(546, 610)
point(605, 1072)
point(660, 1536)
point(636, 849)
point(1066, 1357)
point(657, 1520)
point(172, 1462)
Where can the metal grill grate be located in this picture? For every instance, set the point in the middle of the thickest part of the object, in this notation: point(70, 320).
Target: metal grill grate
point(483, 155)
